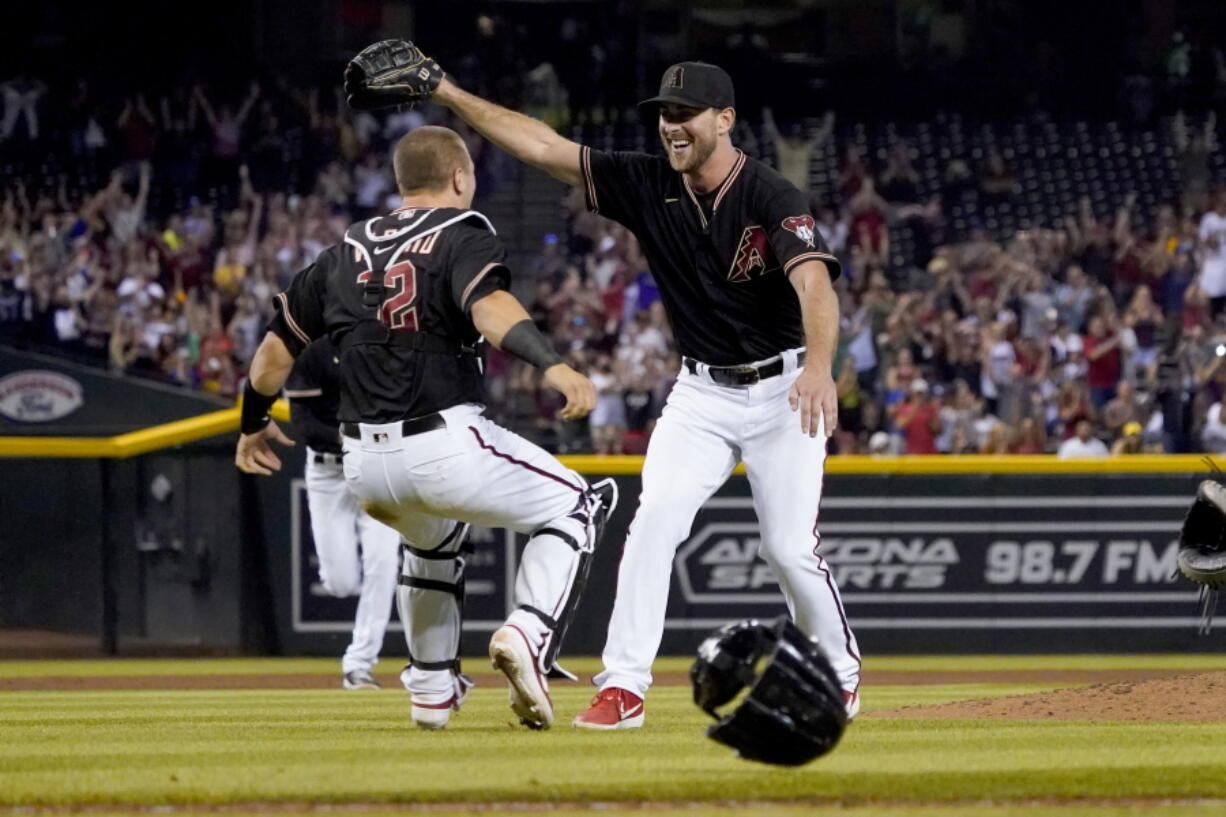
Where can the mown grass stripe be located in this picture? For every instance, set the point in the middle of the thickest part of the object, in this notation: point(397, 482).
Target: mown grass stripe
point(232, 747)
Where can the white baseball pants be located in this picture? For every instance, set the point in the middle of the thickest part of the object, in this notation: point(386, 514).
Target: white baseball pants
point(704, 431)
point(471, 471)
point(357, 556)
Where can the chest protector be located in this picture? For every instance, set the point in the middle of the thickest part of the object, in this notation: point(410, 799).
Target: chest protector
point(380, 242)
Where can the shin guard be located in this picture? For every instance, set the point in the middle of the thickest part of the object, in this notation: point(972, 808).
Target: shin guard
point(431, 602)
point(555, 566)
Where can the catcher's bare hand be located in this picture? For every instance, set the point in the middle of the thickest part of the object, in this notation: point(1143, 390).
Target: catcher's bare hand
point(579, 392)
point(390, 73)
point(255, 455)
point(814, 395)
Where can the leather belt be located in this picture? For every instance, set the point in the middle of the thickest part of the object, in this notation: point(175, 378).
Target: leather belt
point(414, 425)
point(326, 458)
point(742, 375)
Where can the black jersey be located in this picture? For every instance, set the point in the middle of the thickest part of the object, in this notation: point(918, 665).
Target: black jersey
point(314, 392)
point(436, 263)
point(720, 260)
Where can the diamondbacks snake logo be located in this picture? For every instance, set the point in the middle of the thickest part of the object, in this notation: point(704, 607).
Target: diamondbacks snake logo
point(802, 226)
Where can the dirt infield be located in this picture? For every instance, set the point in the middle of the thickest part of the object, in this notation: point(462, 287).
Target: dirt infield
point(1152, 695)
point(1179, 698)
point(1113, 677)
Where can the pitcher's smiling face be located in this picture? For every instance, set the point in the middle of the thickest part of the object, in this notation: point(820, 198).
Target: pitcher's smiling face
point(689, 135)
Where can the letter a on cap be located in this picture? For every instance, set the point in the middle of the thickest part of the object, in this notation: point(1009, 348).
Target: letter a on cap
point(675, 77)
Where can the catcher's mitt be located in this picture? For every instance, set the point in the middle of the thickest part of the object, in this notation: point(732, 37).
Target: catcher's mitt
point(390, 73)
point(1202, 546)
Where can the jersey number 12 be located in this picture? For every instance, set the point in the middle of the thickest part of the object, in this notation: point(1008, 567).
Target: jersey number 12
point(398, 311)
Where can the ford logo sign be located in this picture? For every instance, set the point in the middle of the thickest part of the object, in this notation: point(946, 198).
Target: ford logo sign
point(39, 396)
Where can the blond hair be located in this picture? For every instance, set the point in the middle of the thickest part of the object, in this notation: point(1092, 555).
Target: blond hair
point(426, 158)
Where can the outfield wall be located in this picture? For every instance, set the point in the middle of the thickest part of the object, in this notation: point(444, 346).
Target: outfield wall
point(43, 395)
point(932, 563)
point(153, 538)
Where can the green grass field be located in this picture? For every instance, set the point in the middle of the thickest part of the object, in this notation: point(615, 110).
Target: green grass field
point(251, 749)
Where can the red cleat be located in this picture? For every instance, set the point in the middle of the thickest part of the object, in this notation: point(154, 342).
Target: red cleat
point(612, 708)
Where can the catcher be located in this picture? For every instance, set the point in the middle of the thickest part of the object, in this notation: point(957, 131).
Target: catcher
point(1202, 546)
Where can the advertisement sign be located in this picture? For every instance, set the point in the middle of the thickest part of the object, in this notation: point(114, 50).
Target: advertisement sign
point(1024, 562)
point(1019, 569)
point(39, 396)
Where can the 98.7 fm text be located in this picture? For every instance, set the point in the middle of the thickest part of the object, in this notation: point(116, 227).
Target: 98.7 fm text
point(1074, 561)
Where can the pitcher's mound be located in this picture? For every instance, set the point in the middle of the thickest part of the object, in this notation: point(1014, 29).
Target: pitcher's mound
point(1182, 698)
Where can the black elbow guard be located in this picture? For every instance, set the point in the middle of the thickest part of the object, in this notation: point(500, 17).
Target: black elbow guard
point(525, 341)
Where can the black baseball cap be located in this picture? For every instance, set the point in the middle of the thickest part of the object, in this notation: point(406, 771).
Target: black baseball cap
point(695, 84)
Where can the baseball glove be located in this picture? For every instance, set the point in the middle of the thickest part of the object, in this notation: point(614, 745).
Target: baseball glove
point(1202, 546)
point(390, 73)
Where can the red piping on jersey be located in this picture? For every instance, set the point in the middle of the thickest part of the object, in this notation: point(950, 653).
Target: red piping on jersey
point(289, 319)
point(481, 442)
point(585, 166)
point(701, 215)
point(473, 283)
point(808, 256)
point(723, 189)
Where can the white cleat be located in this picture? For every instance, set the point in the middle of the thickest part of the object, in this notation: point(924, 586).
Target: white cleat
point(851, 700)
point(434, 716)
point(511, 654)
point(359, 679)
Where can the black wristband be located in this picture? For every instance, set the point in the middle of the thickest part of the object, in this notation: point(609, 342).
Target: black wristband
point(255, 410)
point(527, 343)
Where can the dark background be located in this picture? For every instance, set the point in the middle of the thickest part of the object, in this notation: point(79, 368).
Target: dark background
point(857, 54)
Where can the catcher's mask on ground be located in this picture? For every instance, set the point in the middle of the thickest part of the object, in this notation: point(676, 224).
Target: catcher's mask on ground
point(794, 710)
point(1202, 546)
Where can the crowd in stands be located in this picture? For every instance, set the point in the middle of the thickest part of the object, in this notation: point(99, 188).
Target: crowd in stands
point(595, 296)
point(1098, 333)
point(149, 235)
